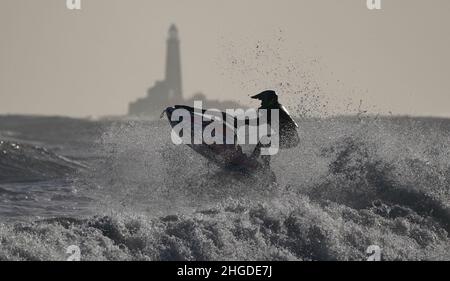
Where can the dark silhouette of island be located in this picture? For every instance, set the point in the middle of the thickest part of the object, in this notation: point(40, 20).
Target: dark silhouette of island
point(169, 91)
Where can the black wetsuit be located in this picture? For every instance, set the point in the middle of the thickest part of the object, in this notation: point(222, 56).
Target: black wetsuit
point(288, 136)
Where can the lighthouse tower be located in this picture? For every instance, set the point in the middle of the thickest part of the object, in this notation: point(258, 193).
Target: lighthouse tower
point(173, 65)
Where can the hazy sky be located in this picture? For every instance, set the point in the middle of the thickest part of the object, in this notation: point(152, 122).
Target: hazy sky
point(329, 54)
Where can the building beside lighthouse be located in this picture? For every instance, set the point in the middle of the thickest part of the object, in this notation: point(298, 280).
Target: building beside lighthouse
point(170, 91)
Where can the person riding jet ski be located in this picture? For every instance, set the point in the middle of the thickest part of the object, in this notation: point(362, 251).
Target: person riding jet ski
point(288, 135)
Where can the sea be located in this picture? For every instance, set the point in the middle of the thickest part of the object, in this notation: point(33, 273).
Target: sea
point(119, 189)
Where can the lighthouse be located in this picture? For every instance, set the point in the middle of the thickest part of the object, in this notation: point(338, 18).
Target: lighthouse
point(173, 65)
point(169, 91)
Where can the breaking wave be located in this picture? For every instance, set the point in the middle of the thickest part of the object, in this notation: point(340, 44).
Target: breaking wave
point(24, 162)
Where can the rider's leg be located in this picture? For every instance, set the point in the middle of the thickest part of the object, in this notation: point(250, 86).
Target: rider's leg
point(257, 153)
